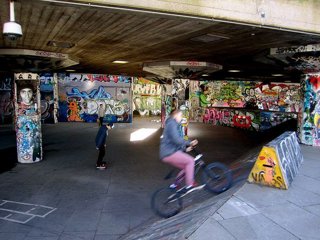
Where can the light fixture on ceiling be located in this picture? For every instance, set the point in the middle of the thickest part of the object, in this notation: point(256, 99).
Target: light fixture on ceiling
point(70, 70)
point(205, 75)
point(234, 70)
point(11, 29)
point(277, 75)
point(120, 61)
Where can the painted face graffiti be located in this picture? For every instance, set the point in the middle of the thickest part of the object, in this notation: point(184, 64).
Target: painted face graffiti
point(26, 95)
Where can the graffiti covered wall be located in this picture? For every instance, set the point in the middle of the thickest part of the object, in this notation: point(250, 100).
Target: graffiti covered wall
point(6, 99)
point(283, 97)
point(180, 100)
point(80, 96)
point(48, 99)
point(309, 119)
point(146, 97)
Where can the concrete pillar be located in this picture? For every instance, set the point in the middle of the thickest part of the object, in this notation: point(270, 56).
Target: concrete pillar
point(28, 117)
point(309, 118)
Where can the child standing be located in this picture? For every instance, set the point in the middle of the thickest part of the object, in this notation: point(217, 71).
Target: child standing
point(101, 144)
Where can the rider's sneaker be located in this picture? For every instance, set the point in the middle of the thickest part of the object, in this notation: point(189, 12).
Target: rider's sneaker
point(102, 166)
point(188, 189)
point(173, 186)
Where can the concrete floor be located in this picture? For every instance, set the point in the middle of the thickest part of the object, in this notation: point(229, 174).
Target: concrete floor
point(94, 204)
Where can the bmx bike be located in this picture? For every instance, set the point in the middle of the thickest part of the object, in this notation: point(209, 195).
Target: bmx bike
point(215, 178)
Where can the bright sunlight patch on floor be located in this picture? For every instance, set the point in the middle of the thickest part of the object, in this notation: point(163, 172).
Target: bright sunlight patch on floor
point(142, 134)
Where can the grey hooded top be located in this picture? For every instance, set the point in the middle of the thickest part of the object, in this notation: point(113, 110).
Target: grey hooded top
point(171, 140)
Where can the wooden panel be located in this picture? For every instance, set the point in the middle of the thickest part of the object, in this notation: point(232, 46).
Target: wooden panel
point(101, 36)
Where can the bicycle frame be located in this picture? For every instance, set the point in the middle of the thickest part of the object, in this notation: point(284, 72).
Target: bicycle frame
point(199, 163)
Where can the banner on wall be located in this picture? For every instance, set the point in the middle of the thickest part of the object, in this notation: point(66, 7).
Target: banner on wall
point(28, 115)
point(80, 96)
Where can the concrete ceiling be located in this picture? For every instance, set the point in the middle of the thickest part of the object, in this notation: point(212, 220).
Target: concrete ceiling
point(96, 36)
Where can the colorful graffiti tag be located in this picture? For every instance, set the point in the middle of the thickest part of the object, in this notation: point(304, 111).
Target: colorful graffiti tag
point(80, 96)
point(246, 119)
point(146, 97)
point(309, 120)
point(232, 118)
point(278, 162)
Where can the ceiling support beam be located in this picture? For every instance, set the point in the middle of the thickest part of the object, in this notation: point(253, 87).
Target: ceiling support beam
point(285, 15)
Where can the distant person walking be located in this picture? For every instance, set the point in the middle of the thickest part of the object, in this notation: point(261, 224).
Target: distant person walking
point(101, 113)
point(101, 144)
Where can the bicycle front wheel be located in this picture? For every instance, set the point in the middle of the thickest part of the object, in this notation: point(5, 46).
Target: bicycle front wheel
point(216, 177)
point(166, 203)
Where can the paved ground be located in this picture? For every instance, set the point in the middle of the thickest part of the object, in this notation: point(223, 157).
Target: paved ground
point(256, 212)
point(65, 197)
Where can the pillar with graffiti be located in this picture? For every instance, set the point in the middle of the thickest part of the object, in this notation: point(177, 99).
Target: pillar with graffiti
point(309, 119)
point(180, 100)
point(27, 117)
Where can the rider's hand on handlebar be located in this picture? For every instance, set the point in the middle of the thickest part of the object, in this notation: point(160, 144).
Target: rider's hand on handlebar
point(194, 143)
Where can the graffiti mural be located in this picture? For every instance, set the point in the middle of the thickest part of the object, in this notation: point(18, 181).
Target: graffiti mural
point(80, 95)
point(282, 97)
point(278, 97)
point(195, 109)
point(47, 97)
point(221, 94)
point(309, 120)
point(166, 102)
point(146, 97)
point(28, 115)
point(180, 100)
point(233, 118)
point(6, 99)
point(246, 119)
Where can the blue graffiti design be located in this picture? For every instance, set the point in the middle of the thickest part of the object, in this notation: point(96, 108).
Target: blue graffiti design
point(63, 110)
point(99, 93)
point(89, 118)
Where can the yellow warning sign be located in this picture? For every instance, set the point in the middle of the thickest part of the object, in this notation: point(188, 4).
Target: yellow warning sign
point(267, 169)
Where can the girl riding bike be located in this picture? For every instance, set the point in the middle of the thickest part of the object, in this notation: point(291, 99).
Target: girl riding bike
point(173, 147)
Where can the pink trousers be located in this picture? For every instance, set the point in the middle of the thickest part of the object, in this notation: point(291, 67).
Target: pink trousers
point(184, 162)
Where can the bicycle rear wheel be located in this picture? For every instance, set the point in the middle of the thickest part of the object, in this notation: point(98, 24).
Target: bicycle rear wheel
point(166, 203)
point(216, 177)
